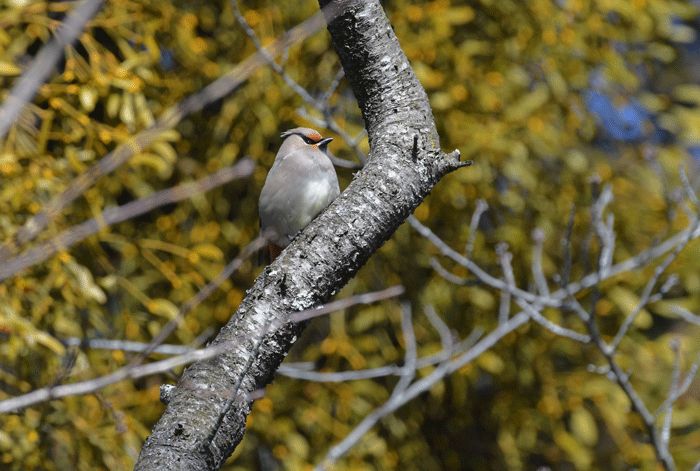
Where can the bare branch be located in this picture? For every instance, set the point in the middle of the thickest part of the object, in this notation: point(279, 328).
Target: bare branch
point(203, 293)
point(537, 273)
point(658, 271)
point(676, 242)
point(681, 389)
point(441, 327)
point(409, 339)
point(688, 188)
point(532, 304)
point(50, 54)
point(419, 387)
point(481, 207)
point(665, 432)
point(126, 346)
point(533, 312)
point(333, 87)
point(604, 230)
point(475, 269)
point(685, 314)
point(110, 216)
point(619, 376)
point(506, 259)
point(449, 276)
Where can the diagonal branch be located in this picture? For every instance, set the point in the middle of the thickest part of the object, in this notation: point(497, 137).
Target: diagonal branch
point(117, 214)
point(45, 62)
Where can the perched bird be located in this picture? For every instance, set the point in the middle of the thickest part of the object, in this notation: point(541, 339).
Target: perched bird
point(301, 183)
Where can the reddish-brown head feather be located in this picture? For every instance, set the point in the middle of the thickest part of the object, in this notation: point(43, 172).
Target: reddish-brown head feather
point(314, 135)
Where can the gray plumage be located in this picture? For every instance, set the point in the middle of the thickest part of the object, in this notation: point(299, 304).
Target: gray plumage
point(301, 183)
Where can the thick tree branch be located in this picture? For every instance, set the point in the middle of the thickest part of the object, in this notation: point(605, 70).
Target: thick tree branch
point(199, 430)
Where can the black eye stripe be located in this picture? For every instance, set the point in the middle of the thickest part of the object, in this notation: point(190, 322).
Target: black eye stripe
point(307, 139)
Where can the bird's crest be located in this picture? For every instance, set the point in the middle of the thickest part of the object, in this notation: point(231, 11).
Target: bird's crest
point(315, 136)
point(305, 133)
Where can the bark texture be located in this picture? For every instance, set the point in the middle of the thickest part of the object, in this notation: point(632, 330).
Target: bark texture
point(197, 431)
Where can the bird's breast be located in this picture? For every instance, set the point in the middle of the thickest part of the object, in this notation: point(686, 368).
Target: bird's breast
point(319, 190)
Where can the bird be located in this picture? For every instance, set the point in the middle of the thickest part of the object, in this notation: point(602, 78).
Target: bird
point(300, 185)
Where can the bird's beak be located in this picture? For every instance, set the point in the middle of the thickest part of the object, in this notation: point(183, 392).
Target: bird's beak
point(323, 144)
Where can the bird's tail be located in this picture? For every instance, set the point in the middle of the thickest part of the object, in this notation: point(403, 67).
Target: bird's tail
point(275, 251)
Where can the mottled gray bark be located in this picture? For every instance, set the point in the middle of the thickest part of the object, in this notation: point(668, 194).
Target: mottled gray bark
point(405, 162)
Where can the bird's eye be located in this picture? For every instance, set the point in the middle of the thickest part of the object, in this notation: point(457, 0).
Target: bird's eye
point(308, 140)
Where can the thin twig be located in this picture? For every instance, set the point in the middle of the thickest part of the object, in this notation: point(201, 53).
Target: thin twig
point(409, 339)
point(549, 325)
point(506, 259)
point(45, 61)
point(435, 263)
point(665, 432)
point(537, 272)
point(681, 389)
point(688, 188)
point(555, 298)
point(476, 270)
point(685, 314)
point(442, 328)
point(481, 207)
point(622, 379)
point(418, 387)
point(658, 271)
point(114, 215)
